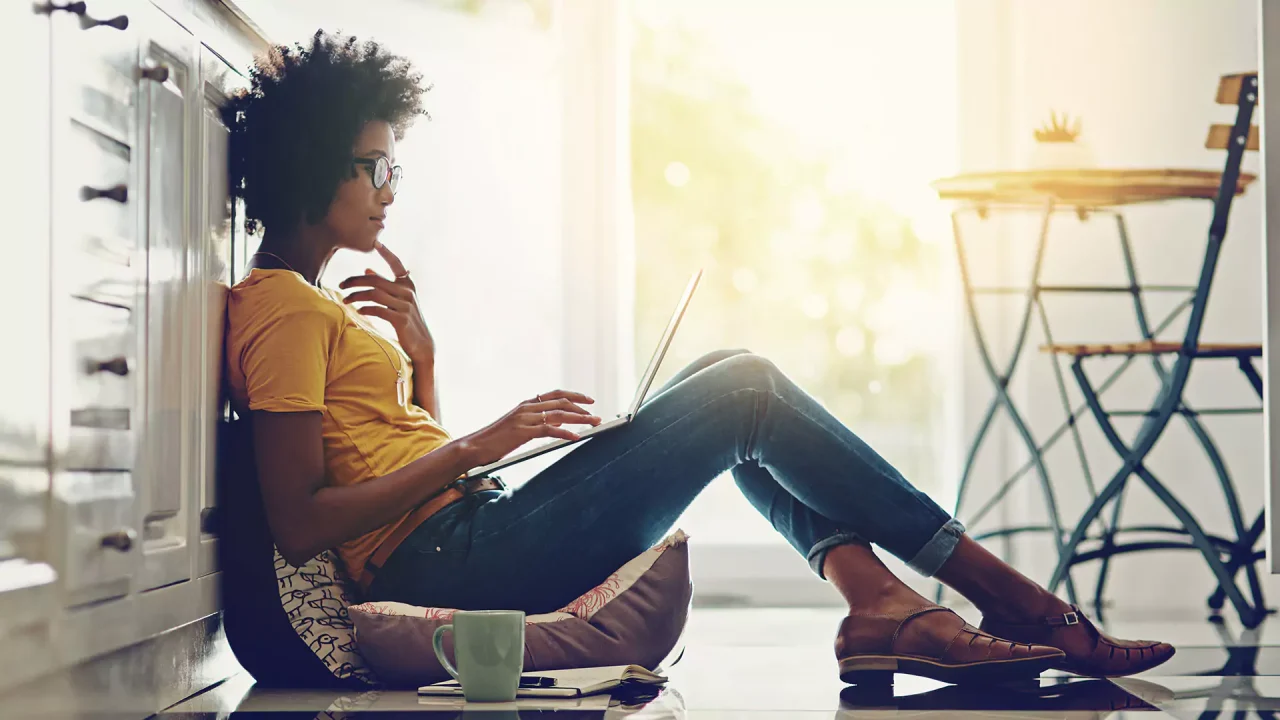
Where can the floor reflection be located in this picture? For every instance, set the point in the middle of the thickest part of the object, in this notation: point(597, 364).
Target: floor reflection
point(774, 671)
point(1051, 697)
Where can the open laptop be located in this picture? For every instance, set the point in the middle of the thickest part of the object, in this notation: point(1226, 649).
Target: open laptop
point(622, 419)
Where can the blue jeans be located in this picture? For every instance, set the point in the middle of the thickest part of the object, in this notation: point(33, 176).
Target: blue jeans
point(538, 546)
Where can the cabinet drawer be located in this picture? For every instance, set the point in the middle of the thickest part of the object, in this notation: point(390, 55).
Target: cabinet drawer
point(98, 449)
point(98, 542)
point(97, 71)
point(104, 351)
point(100, 439)
point(98, 189)
point(102, 269)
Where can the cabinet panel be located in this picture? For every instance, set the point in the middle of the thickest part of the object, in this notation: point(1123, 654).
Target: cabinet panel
point(172, 323)
point(214, 273)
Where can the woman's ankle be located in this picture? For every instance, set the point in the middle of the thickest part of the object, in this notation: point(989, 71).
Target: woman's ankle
point(995, 588)
point(1024, 610)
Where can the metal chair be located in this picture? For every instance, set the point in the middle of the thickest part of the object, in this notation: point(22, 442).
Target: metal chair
point(1242, 92)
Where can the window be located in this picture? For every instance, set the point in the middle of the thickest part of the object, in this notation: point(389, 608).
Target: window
point(788, 149)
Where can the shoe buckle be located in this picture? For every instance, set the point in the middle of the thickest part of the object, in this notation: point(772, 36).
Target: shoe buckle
point(1071, 618)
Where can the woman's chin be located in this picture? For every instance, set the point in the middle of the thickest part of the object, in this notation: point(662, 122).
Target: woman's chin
point(364, 244)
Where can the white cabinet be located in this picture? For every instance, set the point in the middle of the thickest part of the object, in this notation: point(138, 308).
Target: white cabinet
point(118, 224)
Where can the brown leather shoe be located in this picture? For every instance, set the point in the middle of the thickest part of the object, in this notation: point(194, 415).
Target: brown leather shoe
point(1089, 651)
point(872, 647)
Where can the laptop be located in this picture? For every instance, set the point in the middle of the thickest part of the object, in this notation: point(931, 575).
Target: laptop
point(622, 418)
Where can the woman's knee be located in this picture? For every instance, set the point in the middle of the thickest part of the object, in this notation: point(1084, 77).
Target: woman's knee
point(749, 370)
point(717, 356)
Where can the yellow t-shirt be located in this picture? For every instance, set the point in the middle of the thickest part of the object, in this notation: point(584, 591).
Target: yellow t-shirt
point(294, 347)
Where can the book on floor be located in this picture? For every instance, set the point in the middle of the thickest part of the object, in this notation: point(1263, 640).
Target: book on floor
point(572, 682)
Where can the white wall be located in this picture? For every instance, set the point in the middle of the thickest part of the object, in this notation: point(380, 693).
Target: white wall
point(1142, 74)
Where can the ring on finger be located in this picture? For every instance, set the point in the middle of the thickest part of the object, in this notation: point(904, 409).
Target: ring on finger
point(544, 417)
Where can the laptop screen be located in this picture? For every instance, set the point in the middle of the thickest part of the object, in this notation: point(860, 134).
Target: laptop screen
point(659, 352)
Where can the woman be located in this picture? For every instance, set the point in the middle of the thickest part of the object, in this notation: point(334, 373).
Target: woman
point(352, 455)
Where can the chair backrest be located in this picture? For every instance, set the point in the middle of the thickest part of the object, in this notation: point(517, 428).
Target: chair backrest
point(1229, 89)
point(1240, 90)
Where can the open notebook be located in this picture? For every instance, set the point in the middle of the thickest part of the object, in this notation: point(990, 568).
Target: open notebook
point(575, 682)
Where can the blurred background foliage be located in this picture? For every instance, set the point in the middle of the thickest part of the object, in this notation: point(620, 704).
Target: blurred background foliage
point(836, 289)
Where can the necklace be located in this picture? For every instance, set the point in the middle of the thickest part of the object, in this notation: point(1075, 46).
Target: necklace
point(402, 382)
point(283, 262)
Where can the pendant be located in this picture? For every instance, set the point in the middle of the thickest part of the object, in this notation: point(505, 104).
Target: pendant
point(402, 389)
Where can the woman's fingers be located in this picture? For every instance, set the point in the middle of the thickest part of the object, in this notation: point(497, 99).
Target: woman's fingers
point(562, 417)
point(557, 432)
point(375, 281)
point(380, 312)
point(558, 405)
point(378, 295)
point(397, 267)
point(564, 395)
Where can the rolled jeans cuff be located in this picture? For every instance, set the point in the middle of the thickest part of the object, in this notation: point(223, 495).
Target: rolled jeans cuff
point(818, 553)
point(931, 557)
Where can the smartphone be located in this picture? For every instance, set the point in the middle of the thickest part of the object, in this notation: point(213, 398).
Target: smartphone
point(537, 681)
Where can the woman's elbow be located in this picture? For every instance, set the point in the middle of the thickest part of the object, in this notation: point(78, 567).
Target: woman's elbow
point(294, 558)
point(294, 546)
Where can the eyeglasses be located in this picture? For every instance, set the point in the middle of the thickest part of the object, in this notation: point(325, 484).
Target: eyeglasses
point(381, 171)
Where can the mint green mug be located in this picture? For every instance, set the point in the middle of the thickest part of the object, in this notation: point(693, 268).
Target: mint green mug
point(489, 648)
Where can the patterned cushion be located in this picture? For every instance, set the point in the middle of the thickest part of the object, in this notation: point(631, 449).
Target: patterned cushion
point(315, 599)
point(636, 616)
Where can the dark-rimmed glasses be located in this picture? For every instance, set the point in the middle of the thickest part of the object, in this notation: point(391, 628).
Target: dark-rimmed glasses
point(381, 171)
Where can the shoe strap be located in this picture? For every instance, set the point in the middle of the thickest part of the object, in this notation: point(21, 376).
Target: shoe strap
point(1074, 617)
point(893, 642)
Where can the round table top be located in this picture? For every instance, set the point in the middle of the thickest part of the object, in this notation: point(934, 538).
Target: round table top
point(1084, 187)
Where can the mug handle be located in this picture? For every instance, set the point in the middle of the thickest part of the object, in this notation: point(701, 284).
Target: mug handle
point(437, 642)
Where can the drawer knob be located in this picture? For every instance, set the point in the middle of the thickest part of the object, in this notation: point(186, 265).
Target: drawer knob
point(159, 73)
point(77, 8)
point(120, 22)
point(115, 366)
point(119, 193)
point(121, 540)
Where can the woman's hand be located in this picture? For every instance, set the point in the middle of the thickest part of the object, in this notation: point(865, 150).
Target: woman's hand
point(397, 303)
point(541, 417)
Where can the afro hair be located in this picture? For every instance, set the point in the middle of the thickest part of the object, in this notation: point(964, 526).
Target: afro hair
point(292, 130)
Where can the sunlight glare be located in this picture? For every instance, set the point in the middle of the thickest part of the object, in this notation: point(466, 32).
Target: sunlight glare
point(677, 174)
point(851, 341)
point(815, 306)
point(745, 280)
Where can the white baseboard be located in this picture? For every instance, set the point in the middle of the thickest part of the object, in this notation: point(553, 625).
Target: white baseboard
point(771, 575)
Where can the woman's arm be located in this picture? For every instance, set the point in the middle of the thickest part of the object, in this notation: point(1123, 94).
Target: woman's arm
point(306, 516)
point(424, 386)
